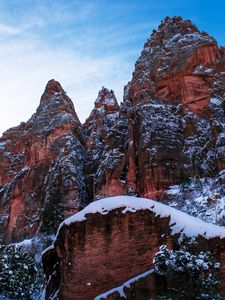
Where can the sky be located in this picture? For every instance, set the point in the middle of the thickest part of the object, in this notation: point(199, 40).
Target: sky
point(83, 44)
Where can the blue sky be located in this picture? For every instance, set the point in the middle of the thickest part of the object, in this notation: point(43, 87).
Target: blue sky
point(82, 44)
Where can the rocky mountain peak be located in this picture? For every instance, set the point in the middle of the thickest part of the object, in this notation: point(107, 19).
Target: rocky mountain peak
point(175, 25)
point(53, 87)
point(55, 110)
point(106, 100)
point(177, 65)
point(106, 110)
point(177, 30)
point(173, 31)
point(42, 160)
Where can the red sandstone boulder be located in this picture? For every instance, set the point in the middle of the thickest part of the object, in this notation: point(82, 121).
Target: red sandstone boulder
point(115, 239)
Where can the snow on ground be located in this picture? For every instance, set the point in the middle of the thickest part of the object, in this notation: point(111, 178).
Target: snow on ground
point(180, 222)
point(35, 245)
point(47, 249)
point(202, 198)
point(127, 284)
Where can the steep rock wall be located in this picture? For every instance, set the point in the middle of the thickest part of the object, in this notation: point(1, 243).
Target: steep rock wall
point(41, 168)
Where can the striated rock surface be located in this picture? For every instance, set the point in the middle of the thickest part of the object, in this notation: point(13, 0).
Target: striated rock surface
point(41, 177)
point(177, 109)
point(176, 65)
point(115, 240)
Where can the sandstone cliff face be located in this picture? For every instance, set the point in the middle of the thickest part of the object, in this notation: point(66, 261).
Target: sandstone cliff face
point(169, 130)
point(176, 64)
point(99, 250)
point(41, 168)
point(170, 126)
point(106, 129)
point(177, 98)
point(166, 142)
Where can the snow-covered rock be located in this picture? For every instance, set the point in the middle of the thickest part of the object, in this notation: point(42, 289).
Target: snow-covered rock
point(109, 245)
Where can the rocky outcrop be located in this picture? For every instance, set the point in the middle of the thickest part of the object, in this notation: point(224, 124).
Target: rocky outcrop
point(116, 239)
point(170, 126)
point(41, 177)
point(165, 141)
point(106, 129)
point(176, 65)
point(177, 109)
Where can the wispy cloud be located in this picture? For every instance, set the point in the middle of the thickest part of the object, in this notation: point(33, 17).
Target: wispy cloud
point(8, 30)
point(81, 57)
point(26, 66)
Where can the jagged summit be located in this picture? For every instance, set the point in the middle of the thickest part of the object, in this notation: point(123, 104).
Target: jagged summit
point(56, 109)
point(106, 99)
point(171, 26)
point(56, 105)
point(52, 87)
point(38, 160)
point(105, 109)
point(177, 65)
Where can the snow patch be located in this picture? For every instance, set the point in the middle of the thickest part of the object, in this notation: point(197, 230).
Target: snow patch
point(127, 284)
point(215, 101)
point(179, 222)
point(47, 249)
point(3, 144)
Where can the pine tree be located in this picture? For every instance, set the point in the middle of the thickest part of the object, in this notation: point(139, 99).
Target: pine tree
point(20, 275)
point(198, 271)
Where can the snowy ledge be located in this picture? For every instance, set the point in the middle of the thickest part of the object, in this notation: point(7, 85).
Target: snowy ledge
point(180, 222)
point(127, 284)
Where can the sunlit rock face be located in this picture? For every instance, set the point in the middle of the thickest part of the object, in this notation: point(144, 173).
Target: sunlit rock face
point(41, 168)
point(170, 126)
point(177, 64)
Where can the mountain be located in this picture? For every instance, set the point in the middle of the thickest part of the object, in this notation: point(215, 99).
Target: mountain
point(42, 168)
point(165, 141)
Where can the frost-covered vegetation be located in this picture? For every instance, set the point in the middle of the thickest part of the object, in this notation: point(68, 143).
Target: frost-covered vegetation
point(20, 275)
point(187, 274)
point(202, 198)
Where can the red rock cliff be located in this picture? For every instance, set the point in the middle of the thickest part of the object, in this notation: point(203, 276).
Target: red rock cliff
point(170, 125)
point(41, 167)
point(168, 130)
